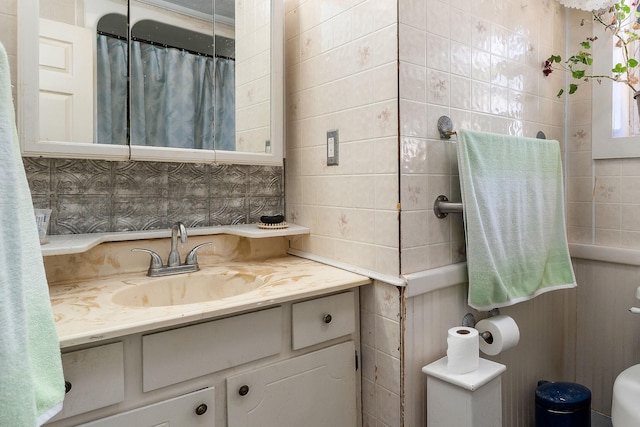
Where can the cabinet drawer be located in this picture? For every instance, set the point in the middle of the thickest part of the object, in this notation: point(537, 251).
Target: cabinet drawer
point(193, 351)
point(193, 409)
point(323, 319)
point(96, 378)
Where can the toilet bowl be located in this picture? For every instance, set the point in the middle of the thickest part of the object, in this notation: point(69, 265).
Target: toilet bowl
point(625, 409)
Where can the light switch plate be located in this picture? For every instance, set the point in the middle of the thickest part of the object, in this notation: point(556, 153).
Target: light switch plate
point(332, 147)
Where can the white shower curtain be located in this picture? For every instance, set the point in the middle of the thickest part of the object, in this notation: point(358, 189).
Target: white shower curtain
point(225, 105)
point(178, 99)
point(112, 90)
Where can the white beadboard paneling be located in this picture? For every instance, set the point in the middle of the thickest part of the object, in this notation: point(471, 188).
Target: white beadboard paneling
point(544, 324)
point(607, 335)
point(539, 355)
point(428, 317)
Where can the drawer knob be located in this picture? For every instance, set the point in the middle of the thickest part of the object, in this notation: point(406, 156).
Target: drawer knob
point(327, 318)
point(201, 409)
point(67, 387)
point(244, 390)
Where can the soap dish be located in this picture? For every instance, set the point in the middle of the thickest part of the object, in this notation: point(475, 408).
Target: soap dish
point(277, 226)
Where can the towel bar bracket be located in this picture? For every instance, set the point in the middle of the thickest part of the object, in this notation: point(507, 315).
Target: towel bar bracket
point(469, 321)
point(445, 127)
point(442, 207)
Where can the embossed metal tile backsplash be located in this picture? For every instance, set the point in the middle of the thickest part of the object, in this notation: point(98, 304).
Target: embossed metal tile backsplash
point(94, 196)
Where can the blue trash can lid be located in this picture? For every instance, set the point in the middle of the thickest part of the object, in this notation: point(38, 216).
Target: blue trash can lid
point(563, 396)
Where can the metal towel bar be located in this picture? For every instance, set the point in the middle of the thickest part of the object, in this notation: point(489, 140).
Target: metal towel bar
point(445, 128)
point(442, 207)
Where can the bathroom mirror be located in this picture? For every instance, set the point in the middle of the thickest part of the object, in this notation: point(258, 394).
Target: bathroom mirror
point(228, 108)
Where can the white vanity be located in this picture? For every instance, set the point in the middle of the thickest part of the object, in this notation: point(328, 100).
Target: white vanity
point(284, 353)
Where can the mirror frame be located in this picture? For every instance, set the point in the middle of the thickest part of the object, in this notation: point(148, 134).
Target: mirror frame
point(28, 109)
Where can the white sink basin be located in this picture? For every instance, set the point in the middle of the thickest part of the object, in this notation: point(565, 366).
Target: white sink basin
point(187, 289)
point(625, 410)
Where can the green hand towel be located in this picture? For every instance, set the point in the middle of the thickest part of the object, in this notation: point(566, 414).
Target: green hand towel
point(31, 381)
point(513, 200)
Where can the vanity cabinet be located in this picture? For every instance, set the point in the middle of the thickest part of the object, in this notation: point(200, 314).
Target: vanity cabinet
point(291, 364)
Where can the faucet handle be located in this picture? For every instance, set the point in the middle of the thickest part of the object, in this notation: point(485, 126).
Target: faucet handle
point(192, 256)
point(156, 261)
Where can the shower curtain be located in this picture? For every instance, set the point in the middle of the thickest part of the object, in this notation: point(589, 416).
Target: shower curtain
point(111, 90)
point(225, 105)
point(179, 99)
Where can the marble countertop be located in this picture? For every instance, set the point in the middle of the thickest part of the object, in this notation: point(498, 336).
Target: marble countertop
point(85, 312)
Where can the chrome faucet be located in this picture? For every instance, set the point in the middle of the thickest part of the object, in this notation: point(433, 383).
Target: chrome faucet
point(174, 255)
point(156, 268)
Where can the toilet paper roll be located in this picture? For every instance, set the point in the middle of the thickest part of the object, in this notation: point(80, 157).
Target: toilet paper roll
point(462, 350)
point(504, 334)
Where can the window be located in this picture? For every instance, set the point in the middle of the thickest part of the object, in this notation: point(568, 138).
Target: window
point(615, 115)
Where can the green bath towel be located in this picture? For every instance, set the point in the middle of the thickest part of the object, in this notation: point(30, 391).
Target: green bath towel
point(513, 200)
point(31, 381)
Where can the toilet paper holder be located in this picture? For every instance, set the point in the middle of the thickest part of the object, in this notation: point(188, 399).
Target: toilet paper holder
point(469, 321)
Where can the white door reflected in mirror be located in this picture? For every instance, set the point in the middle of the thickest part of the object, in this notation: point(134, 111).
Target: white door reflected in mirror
point(66, 82)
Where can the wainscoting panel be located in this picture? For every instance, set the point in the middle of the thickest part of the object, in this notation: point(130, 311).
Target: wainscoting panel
point(608, 335)
point(545, 350)
point(427, 319)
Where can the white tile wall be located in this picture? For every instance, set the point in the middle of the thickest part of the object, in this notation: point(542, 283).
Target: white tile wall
point(342, 74)
point(380, 306)
point(480, 64)
point(9, 39)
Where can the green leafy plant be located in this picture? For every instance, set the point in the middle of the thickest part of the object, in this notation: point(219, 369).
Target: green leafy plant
point(621, 20)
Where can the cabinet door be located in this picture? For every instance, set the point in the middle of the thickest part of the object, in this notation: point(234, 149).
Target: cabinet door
point(193, 409)
point(314, 390)
point(94, 378)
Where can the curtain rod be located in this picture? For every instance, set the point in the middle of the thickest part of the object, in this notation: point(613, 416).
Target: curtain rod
point(164, 45)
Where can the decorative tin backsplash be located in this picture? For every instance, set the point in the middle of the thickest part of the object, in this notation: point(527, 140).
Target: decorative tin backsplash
point(94, 196)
